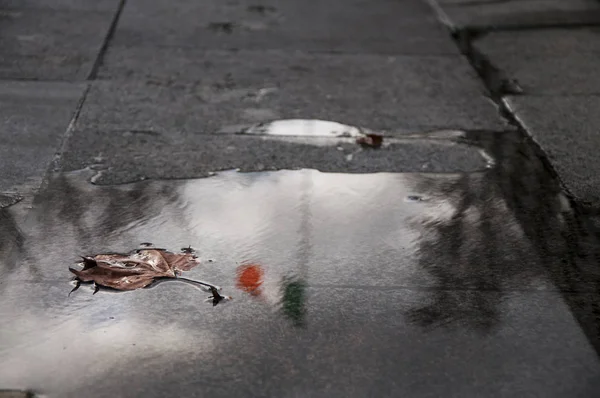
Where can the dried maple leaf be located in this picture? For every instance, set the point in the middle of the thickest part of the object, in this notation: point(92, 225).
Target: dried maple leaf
point(135, 270)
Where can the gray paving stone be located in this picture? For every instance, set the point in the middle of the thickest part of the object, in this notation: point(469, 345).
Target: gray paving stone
point(542, 42)
point(50, 44)
point(34, 117)
point(202, 92)
point(566, 128)
point(88, 5)
point(250, 67)
point(572, 74)
point(378, 26)
point(126, 156)
point(551, 62)
point(514, 14)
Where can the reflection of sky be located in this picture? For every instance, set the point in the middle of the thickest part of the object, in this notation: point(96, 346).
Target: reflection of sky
point(72, 345)
point(347, 237)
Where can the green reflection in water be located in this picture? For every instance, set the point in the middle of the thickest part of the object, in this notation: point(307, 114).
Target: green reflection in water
point(294, 301)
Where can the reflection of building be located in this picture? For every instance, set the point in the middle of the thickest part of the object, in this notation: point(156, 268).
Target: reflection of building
point(305, 228)
point(490, 239)
point(344, 255)
point(302, 227)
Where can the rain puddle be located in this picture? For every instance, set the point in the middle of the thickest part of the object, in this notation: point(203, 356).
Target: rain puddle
point(341, 284)
point(324, 129)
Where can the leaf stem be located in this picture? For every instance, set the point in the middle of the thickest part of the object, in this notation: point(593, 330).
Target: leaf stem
point(200, 284)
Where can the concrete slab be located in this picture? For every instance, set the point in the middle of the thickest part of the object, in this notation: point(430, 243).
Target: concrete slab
point(87, 5)
point(126, 156)
point(34, 117)
point(566, 128)
point(550, 62)
point(542, 42)
point(202, 92)
point(169, 65)
point(562, 74)
point(46, 44)
point(379, 26)
point(518, 14)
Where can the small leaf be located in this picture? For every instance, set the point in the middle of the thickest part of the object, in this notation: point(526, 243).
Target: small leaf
point(133, 271)
point(370, 141)
point(142, 268)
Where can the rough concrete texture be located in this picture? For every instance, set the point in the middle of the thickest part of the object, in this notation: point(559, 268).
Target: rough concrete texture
point(67, 5)
point(170, 79)
point(550, 51)
point(566, 128)
point(336, 25)
point(548, 62)
point(511, 14)
point(34, 117)
point(168, 70)
point(50, 44)
point(176, 155)
point(542, 42)
point(469, 284)
point(205, 91)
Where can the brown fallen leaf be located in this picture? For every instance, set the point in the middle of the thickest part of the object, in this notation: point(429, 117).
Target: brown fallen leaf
point(139, 269)
point(370, 141)
point(135, 270)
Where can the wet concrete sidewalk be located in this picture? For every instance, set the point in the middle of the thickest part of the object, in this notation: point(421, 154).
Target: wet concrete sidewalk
point(449, 262)
point(540, 59)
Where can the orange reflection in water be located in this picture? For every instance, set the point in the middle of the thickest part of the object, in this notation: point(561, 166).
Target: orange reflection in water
point(250, 278)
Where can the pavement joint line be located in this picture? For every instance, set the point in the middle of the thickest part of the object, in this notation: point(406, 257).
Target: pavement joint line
point(499, 87)
point(514, 119)
point(445, 19)
point(107, 39)
point(442, 15)
point(55, 163)
point(494, 78)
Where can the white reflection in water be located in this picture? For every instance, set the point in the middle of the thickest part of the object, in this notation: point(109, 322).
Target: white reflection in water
point(313, 229)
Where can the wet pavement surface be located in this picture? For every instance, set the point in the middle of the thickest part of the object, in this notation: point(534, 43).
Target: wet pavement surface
point(440, 264)
point(281, 144)
point(481, 283)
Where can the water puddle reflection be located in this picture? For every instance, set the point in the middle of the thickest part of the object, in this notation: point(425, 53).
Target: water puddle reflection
point(305, 128)
point(329, 273)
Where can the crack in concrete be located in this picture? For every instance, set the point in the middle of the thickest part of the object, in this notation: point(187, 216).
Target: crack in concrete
point(107, 39)
point(495, 80)
point(55, 164)
point(500, 85)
